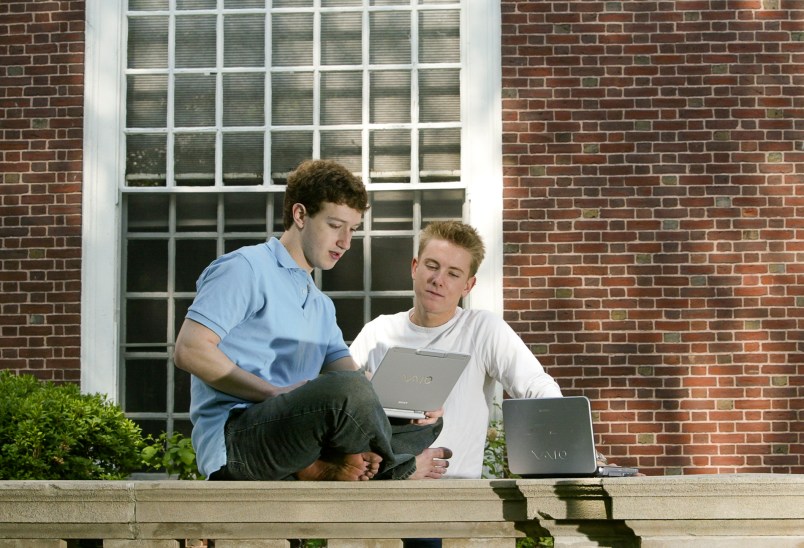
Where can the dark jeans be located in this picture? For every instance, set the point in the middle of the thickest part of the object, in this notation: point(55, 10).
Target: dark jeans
point(337, 413)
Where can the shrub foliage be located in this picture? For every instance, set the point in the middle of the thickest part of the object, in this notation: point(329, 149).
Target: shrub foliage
point(52, 431)
point(173, 454)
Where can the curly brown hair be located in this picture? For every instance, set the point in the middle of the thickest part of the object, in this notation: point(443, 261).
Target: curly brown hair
point(315, 182)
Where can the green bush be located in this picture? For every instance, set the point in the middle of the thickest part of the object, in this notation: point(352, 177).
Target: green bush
point(52, 431)
point(495, 463)
point(173, 454)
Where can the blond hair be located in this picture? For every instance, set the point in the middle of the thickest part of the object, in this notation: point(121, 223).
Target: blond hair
point(457, 233)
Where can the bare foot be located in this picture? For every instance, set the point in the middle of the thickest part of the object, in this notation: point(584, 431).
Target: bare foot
point(353, 467)
point(432, 463)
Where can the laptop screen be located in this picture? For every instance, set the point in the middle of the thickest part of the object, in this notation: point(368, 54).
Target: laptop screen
point(549, 437)
point(411, 381)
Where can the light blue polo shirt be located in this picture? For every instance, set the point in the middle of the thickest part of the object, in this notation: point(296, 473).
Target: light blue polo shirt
point(272, 321)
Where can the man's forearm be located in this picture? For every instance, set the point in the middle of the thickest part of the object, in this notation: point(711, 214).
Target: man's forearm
point(197, 353)
point(343, 364)
point(242, 384)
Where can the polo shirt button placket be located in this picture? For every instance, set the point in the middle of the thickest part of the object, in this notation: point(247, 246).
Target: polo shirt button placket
point(305, 291)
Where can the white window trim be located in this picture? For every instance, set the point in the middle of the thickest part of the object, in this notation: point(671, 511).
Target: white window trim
point(481, 155)
point(100, 265)
point(104, 107)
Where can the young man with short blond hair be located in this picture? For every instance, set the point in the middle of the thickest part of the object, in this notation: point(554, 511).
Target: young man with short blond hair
point(443, 272)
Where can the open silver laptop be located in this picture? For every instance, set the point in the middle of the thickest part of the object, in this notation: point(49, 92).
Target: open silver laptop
point(552, 437)
point(410, 381)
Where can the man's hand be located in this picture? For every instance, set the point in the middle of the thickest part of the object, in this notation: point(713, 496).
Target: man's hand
point(603, 461)
point(430, 417)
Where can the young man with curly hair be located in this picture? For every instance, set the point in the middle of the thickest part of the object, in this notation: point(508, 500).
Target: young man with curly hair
point(275, 394)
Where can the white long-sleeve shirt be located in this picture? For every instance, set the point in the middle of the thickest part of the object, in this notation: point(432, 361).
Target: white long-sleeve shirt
point(498, 354)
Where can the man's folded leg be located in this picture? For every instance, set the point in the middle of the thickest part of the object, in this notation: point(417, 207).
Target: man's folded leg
point(332, 416)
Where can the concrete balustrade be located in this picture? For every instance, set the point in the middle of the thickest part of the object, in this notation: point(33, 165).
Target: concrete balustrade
point(757, 510)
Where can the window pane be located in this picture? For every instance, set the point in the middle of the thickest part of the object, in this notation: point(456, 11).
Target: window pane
point(195, 159)
point(442, 205)
point(146, 159)
point(288, 150)
point(244, 4)
point(181, 305)
point(244, 99)
point(195, 4)
point(244, 39)
point(341, 98)
point(335, 3)
point(146, 265)
point(196, 212)
point(390, 305)
point(292, 3)
point(341, 38)
point(292, 39)
point(152, 427)
point(343, 147)
point(185, 427)
point(348, 274)
point(394, 254)
point(390, 37)
point(146, 101)
point(195, 41)
point(292, 98)
point(235, 244)
point(390, 156)
point(146, 385)
point(278, 208)
point(440, 154)
point(390, 97)
point(147, 212)
point(192, 257)
point(391, 211)
point(349, 314)
point(146, 321)
point(195, 100)
point(148, 42)
point(440, 92)
point(242, 158)
point(245, 212)
point(181, 391)
point(439, 36)
point(147, 5)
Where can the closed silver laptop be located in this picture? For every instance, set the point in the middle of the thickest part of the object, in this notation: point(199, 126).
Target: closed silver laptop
point(410, 381)
point(553, 438)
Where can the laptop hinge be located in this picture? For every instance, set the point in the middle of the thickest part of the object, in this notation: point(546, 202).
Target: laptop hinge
point(429, 352)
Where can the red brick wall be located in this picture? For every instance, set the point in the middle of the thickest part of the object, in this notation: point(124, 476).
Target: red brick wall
point(653, 156)
point(41, 110)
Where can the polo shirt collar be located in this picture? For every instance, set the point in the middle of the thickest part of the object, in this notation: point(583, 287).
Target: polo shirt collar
point(282, 256)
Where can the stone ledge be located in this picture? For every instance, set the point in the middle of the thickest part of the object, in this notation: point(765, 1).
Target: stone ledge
point(646, 511)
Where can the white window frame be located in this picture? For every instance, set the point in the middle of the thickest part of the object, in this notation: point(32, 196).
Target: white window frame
point(104, 165)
